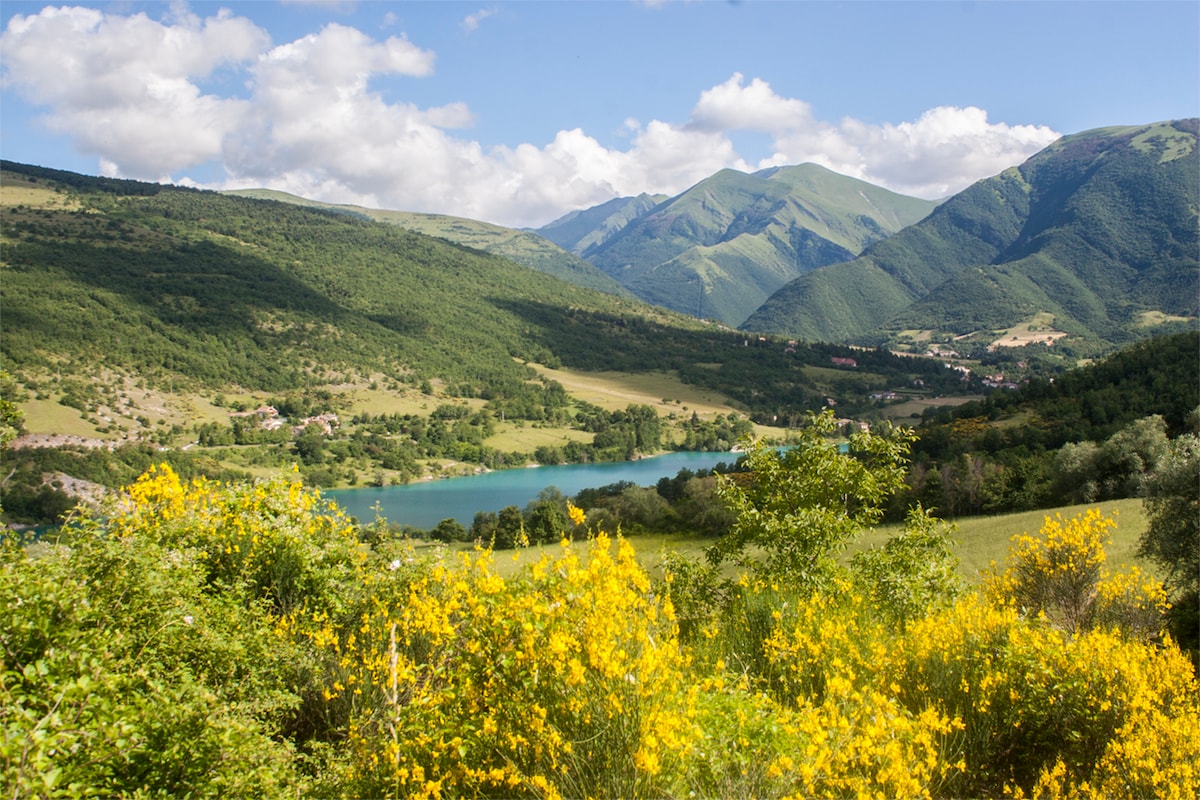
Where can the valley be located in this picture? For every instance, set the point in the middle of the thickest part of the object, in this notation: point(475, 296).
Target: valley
point(233, 362)
point(153, 318)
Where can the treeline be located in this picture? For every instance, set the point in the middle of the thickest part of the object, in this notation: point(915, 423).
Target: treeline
point(1154, 376)
point(686, 503)
point(771, 377)
point(1092, 433)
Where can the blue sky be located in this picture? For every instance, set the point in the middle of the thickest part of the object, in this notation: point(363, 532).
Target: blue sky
point(516, 112)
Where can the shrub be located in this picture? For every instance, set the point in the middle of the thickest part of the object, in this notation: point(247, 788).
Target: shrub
point(1062, 574)
point(566, 680)
point(1042, 708)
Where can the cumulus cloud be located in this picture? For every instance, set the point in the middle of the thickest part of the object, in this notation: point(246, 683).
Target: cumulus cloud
point(303, 116)
point(733, 105)
point(943, 151)
point(126, 88)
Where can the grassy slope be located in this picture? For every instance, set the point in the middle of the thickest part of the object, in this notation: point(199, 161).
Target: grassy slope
point(586, 230)
point(842, 301)
point(978, 541)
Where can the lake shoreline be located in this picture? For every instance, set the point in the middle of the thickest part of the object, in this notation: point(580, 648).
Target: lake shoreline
point(423, 504)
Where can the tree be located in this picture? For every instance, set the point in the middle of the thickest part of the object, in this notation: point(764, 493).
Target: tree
point(449, 530)
point(915, 571)
point(1132, 454)
point(510, 529)
point(547, 521)
point(12, 419)
point(802, 505)
point(310, 444)
point(1172, 539)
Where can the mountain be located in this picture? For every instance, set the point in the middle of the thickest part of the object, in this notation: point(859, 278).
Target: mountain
point(523, 247)
point(719, 249)
point(583, 231)
point(1091, 242)
point(207, 290)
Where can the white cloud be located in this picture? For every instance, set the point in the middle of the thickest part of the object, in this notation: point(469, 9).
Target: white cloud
point(128, 89)
point(732, 105)
point(945, 150)
point(942, 152)
point(471, 22)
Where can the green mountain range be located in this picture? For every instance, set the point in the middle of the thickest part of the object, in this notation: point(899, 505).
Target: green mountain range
point(719, 249)
point(1092, 241)
point(523, 247)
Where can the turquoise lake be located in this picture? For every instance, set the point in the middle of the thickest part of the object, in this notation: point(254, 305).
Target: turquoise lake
point(426, 503)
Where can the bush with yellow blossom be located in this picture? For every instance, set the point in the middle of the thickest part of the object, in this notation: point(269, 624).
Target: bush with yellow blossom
point(564, 680)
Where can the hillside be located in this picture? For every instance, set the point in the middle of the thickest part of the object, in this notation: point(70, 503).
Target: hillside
point(722, 247)
point(176, 285)
point(523, 247)
point(1091, 242)
point(179, 289)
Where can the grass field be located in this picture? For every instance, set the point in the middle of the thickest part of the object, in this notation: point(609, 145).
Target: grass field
point(916, 406)
point(1038, 329)
point(514, 437)
point(614, 391)
point(978, 541)
point(18, 190)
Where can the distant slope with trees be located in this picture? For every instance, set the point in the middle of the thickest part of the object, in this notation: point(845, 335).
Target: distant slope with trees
point(207, 290)
point(523, 247)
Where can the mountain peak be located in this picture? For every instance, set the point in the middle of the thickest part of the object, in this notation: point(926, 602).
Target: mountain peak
point(719, 248)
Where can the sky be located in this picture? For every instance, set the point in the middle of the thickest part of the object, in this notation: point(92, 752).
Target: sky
point(519, 112)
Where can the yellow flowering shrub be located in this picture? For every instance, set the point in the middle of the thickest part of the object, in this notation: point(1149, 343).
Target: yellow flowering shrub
point(248, 640)
point(854, 736)
point(273, 538)
point(565, 680)
point(1063, 574)
point(1041, 707)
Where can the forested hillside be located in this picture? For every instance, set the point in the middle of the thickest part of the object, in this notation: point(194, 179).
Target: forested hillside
point(1093, 433)
point(523, 247)
point(223, 290)
point(1090, 243)
point(187, 286)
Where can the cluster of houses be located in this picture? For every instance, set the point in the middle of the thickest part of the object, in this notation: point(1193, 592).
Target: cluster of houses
point(268, 419)
point(998, 382)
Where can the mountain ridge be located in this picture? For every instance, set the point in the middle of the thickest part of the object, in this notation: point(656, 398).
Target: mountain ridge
point(521, 246)
point(1096, 231)
point(720, 248)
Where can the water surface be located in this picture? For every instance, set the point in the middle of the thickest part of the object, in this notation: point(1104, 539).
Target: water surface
point(426, 503)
